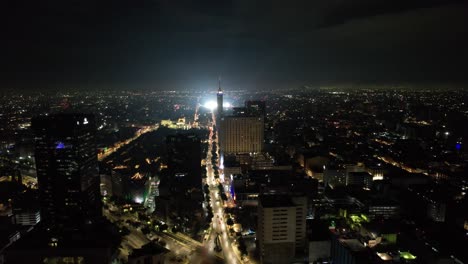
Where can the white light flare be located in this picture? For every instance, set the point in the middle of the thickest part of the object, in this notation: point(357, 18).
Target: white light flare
point(138, 200)
point(211, 105)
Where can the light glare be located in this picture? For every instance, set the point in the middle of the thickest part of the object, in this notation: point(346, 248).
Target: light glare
point(211, 105)
point(138, 200)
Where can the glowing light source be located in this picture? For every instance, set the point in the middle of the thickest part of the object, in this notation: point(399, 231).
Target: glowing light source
point(137, 176)
point(60, 145)
point(384, 256)
point(138, 200)
point(211, 105)
point(407, 255)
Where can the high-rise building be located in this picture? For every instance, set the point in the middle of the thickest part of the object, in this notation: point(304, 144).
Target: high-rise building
point(241, 134)
point(219, 97)
point(180, 196)
point(281, 231)
point(184, 161)
point(72, 229)
point(67, 170)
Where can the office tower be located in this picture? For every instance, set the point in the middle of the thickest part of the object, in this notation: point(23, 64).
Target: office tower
point(180, 196)
point(281, 230)
point(71, 228)
point(241, 134)
point(219, 97)
point(67, 170)
point(184, 161)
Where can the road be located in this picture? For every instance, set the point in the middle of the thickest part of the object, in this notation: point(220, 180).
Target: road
point(118, 145)
point(134, 240)
point(218, 224)
point(183, 248)
point(196, 115)
point(189, 250)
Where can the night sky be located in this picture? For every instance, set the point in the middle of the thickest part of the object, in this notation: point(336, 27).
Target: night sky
point(170, 44)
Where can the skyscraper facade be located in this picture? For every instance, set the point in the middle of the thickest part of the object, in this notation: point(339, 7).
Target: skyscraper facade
point(67, 170)
point(241, 134)
point(184, 161)
point(180, 199)
point(219, 97)
point(281, 225)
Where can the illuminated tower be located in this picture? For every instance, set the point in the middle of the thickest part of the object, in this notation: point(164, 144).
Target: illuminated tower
point(220, 100)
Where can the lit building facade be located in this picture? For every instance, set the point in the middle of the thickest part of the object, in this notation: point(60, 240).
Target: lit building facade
point(27, 218)
point(219, 98)
point(385, 211)
point(281, 227)
point(241, 134)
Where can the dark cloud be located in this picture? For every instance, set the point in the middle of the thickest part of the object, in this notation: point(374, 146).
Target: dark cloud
point(186, 44)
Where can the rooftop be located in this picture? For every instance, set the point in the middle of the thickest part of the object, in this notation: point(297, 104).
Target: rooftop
point(151, 248)
point(273, 200)
point(353, 244)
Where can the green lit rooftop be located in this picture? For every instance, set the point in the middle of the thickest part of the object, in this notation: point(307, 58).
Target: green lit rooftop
point(407, 255)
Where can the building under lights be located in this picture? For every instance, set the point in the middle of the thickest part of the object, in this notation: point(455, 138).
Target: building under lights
point(241, 133)
point(281, 229)
point(152, 190)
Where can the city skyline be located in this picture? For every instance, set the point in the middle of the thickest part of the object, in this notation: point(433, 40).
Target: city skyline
point(234, 132)
point(176, 184)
